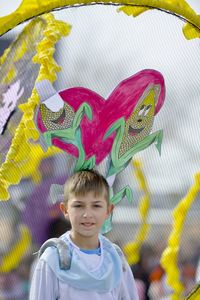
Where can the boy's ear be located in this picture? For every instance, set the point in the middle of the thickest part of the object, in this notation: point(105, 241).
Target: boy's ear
point(63, 209)
point(110, 208)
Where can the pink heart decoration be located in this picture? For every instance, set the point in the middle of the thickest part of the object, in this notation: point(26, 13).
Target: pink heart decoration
point(120, 103)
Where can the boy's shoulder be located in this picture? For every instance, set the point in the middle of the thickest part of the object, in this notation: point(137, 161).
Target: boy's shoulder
point(108, 245)
point(103, 278)
point(59, 251)
point(56, 250)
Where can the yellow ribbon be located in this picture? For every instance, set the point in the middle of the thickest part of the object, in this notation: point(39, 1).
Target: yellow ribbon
point(28, 10)
point(170, 255)
point(132, 249)
point(12, 259)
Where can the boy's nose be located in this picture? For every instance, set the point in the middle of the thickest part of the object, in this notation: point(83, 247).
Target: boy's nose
point(87, 213)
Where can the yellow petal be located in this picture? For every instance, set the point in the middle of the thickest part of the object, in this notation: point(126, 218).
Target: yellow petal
point(12, 173)
point(133, 10)
point(190, 31)
point(4, 194)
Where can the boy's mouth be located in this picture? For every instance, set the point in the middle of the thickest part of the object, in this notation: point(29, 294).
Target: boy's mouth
point(87, 224)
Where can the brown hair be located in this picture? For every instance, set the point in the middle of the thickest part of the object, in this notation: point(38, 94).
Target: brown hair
point(85, 181)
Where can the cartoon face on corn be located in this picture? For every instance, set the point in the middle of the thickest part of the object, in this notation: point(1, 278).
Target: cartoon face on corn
point(57, 120)
point(140, 123)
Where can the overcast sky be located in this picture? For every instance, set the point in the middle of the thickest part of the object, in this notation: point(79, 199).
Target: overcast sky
point(105, 47)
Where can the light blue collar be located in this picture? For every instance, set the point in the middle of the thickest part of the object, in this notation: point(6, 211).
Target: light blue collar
point(102, 279)
point(96, 251)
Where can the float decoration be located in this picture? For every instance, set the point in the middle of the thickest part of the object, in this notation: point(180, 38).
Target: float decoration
point(16, 164)
point(11, 260)
point(178, 8)
point(83, 124)
point(169, 259)
point(131, 249)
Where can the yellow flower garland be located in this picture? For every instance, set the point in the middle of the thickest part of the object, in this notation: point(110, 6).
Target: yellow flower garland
point(132, 249)
point(181, 8)
point(170, 255)
point(13, 258)
point(19, 158)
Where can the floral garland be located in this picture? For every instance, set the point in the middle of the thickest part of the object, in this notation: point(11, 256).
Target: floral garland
point(13, 258)
point(170, 255)
point(20, 156)
point(181, 8)
point(132, 249)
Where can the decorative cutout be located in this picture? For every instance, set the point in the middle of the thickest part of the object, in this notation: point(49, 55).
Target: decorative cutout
point(89, 128)
point(10, 96)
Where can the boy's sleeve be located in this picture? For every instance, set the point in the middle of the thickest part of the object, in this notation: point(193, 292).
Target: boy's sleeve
point(44, 284)
point(129, 290)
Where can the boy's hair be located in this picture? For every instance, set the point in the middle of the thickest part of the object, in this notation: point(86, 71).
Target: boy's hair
point(85, 181)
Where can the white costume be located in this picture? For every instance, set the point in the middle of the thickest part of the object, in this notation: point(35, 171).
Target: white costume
point(91, 276)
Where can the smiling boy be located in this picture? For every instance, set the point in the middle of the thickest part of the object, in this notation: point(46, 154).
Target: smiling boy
point(97, 269)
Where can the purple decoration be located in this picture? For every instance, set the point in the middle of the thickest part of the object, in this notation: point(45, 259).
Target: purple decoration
point(39, 212)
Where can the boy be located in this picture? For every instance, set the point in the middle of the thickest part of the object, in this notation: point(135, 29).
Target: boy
point(97, 268)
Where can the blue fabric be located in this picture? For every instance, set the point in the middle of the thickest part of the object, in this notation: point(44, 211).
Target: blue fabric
point(102, 279)
point(92, 251)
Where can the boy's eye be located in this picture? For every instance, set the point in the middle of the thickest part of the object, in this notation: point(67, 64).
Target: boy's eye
point(97, 205)
point(77, 205)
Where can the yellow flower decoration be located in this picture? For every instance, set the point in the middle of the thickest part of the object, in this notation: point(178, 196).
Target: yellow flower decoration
point(12, 259)
point(170, 255)
point(132, 249)
point(22, 154)
point(181, 8)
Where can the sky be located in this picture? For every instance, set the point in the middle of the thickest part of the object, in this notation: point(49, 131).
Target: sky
point(105, 47)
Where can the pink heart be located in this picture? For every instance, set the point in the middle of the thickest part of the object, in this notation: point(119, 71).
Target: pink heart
point(120, 103)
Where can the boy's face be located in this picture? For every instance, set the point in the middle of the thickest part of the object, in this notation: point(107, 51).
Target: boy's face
point(86, 214)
